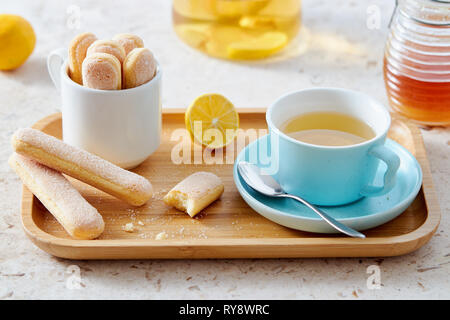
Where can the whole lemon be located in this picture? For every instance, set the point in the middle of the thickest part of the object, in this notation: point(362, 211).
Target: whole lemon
point(17, 40)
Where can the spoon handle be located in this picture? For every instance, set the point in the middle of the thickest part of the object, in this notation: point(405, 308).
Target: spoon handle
point(336, 224)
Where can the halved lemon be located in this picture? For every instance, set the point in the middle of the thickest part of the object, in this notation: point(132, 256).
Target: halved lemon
point(212, 120)
point(257, 48)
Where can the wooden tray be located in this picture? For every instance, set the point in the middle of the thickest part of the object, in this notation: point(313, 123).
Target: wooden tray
point(228, 228)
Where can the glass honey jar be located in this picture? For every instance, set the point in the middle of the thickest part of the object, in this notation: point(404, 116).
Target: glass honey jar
point(417, 61)
point(237, 29)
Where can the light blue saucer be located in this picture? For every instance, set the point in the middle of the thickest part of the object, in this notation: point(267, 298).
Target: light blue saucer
point(360, 215)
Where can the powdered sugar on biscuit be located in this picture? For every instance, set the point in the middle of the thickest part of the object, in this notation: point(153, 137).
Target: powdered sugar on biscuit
point(84, 159)
point(53, 189)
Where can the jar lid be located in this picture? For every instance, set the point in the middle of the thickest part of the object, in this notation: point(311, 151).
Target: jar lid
point(430, 12)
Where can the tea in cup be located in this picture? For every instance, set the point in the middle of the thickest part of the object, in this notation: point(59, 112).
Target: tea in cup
point(329, 145)
point(328, 129)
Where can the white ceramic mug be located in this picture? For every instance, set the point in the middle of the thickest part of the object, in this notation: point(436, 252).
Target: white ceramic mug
point(121, 126)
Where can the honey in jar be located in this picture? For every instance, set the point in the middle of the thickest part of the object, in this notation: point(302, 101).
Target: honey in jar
point(417, 61)
point(237, 29)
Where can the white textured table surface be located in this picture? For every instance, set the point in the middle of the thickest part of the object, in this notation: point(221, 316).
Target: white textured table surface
point(335, 48)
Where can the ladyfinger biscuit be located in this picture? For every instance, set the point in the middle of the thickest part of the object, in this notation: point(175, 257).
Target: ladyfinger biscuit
point(195, 192)
point(107, 46)
point(63, 201)
point(129, 41)
point(82, 165)
point(139, 67)
point(102, 71)
point(77, 52)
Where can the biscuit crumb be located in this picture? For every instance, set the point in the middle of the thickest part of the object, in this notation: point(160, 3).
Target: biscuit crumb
point(161, 236)
point(129, 227)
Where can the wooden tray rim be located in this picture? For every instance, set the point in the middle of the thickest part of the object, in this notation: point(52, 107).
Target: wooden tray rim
point(410, 241)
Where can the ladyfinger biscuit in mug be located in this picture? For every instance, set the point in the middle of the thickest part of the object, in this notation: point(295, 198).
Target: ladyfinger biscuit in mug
point(102, 71)
point(129, 41)
point(107, 46)
point(77, 52)
point(62, 200)
point(139, 67)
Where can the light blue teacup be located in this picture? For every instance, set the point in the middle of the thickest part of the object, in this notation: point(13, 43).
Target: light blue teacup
point(326, 175)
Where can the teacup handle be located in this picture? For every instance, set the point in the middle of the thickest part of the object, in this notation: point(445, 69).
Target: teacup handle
point(393, 163)
point(55, 60)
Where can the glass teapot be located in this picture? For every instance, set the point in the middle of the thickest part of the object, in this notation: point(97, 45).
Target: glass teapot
point(237, 29)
